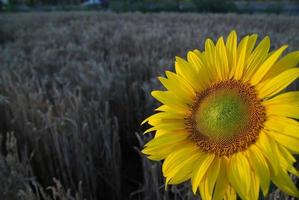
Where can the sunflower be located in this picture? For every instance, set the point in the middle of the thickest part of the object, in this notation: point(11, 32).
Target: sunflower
point(225, 122)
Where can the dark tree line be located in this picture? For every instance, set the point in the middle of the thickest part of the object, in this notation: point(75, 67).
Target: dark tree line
point(44, 2)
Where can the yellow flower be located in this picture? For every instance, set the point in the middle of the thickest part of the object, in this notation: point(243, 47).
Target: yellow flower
point(225, 123)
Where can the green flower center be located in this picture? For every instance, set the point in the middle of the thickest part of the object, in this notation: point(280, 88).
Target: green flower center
point(226, 118)
point(222, 115)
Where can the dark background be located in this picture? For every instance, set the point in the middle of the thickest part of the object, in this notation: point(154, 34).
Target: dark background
point(75, 86)
point(224, 6)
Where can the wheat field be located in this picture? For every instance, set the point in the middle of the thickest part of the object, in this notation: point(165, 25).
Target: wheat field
point(75, 86)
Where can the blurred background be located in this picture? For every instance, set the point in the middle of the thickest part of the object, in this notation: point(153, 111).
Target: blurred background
point(75, 82)
point(239, 6)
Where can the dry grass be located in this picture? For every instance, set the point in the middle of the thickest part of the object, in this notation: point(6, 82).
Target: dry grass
point(75, 86)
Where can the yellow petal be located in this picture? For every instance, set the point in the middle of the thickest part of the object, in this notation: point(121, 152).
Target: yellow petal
point(210, 50)
point(177, 90)
point(178, 86)
point(288, 98)
point(255, 189)
point(266, 66)
point(168, 109)
point(284, 182)
point(178, 156)
point(239, 174)
point(207, 184)
point(175, 122)
point(222, 182)
point(221, 60)
point(161, 152)
point(168, 125)
point(286, 154)
point(188, 72)
point(283, 110)
point(161, 132)
point(161, 115)
point(289, 61)
point(212, 174)
point(283, 125)
point(182, 171)
point(289, 142)
point(244, 50)
point(241, 58)
point(260, 166)
point(203, 73)
point(284, 157)
point(278, 83)
point(230, 194)
point(169, 99)
point(231, 45)
point(267, 146)
point(257, 57)
point(209, 71)
point(200, 170)
point(163, 108)
point(195, 61)
point(180, 67)
point(198, 53)
point(179, 80)
point(209, 58)
point(203, 188)
point(167, 139)
point(250, 45)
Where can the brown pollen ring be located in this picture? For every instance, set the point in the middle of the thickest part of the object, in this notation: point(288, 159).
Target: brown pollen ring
point(240, 141)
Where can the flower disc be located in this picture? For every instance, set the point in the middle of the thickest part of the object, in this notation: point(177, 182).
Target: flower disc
point(222, 114)
point(226, 118)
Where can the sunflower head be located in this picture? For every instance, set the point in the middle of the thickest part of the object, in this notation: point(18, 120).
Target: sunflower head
point(224, 122)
